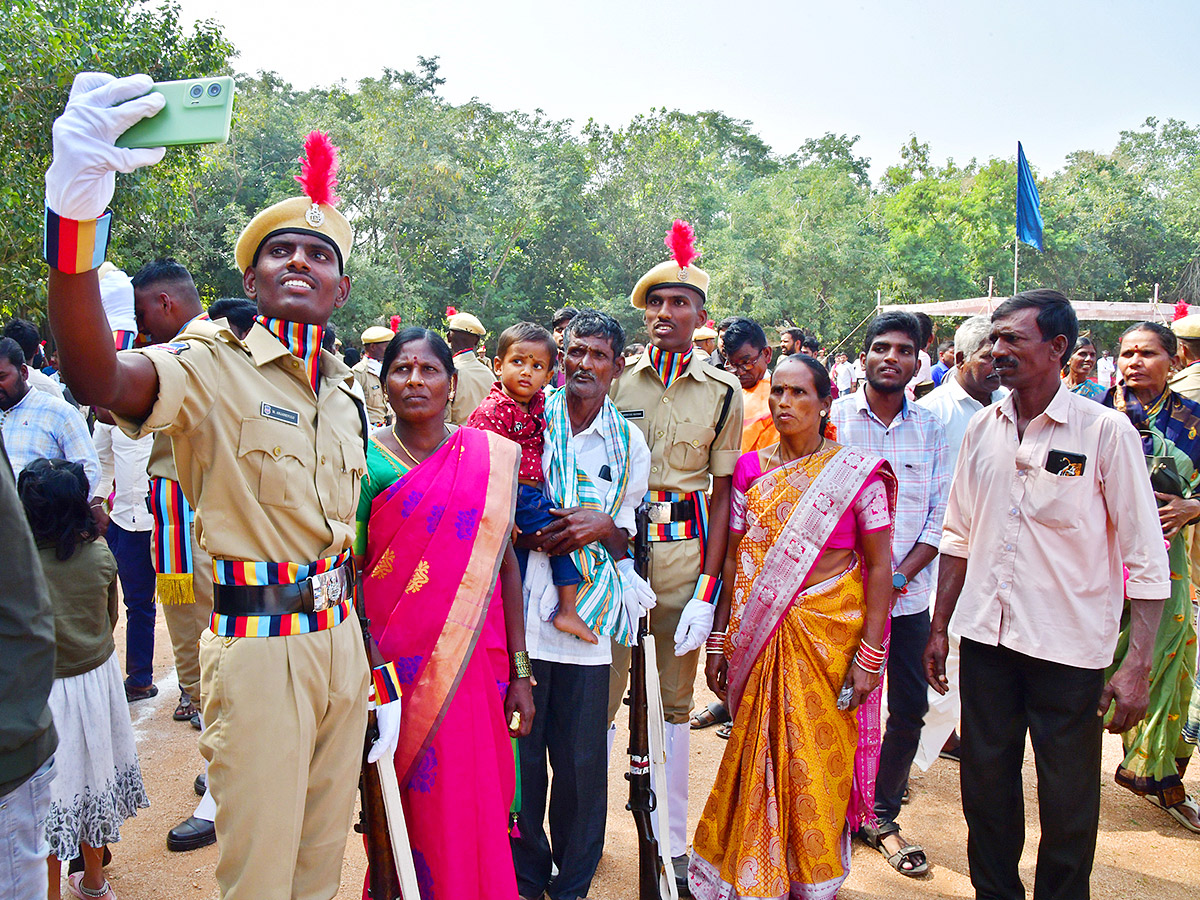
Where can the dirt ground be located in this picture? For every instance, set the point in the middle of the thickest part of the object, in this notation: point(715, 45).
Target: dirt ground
point(1141, 853)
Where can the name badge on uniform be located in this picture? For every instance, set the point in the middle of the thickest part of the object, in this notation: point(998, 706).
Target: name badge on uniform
point(279, 414)
point(633, 413)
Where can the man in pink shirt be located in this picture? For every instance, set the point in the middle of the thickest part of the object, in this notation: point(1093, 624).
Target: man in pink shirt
point(1050, 497)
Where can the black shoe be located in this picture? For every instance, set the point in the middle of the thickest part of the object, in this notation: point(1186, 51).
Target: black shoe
point(200, 785)
point(196, 722)
point(680, 865)
point(76, 865)
point(133, 694)
point(954, 755)
point(191, 834)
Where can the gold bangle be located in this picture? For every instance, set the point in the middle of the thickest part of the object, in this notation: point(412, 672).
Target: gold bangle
point(521, 665)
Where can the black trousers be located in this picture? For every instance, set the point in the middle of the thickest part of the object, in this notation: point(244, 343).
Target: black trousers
point(1004, 695)
point(570, 731)
point(908, 701)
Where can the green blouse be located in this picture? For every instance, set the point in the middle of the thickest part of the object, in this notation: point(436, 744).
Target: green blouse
point(383, 470)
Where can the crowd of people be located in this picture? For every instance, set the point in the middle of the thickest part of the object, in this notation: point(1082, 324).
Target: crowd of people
point(441, 562)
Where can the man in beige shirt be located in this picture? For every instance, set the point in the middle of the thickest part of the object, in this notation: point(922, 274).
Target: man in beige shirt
point(473, 379)
point(1050, 498)
point(366, 372)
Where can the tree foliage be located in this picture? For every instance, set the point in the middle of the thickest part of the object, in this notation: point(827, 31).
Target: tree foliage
point(511, 214)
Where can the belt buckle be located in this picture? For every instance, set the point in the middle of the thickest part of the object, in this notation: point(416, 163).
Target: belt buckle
point(327, 589)
point(660, 513)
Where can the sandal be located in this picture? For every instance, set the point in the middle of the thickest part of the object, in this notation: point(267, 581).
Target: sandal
point(186, 709)
point(1177, 814)
point(908, 853)
point(725, 730)
point(75, 886)
point(713, 714)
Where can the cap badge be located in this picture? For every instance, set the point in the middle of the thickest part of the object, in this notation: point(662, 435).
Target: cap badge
point(314, 216)
point(683, 274)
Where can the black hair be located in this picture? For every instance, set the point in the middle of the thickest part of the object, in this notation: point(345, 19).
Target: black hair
point(26, 334)
point(11, 350)
point(238, 310)
point(742, 331)
point(811, 343)
point(329, 338)
point(593, 323)
point(527, 331)
point(943, 346)
point(820, 377)
point(166, 270)
point(903, 322)
point(414, 333)
point(564, 315)
point(926, 324)
point(726, 322)
point(796, 334)
point(1055, 316)
point(352, 356)
point(634, 349)
point(1165, 335)
point(54, 494)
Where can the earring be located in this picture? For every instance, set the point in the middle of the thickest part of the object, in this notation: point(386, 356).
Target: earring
point(823, 414)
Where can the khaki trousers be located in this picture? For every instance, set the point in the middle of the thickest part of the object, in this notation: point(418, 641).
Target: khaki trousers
point(187, 621)
point(674, 570)
point(285, 719)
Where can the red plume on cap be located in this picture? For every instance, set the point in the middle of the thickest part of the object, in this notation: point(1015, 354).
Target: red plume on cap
point(681, 241)
point(318, 169)
point(451, 311)
point(710, 324)
point(1181, 310)
point(395, 323)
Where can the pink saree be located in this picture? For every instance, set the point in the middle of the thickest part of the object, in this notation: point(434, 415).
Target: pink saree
point(435, 541)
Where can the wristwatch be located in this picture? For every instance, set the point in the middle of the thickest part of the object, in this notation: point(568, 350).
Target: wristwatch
point(899, 581)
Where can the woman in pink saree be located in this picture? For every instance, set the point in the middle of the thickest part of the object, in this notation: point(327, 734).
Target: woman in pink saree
point(802, 619)
point(442, 590)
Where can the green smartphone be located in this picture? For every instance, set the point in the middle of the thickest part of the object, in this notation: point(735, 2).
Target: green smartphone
point(198, 111)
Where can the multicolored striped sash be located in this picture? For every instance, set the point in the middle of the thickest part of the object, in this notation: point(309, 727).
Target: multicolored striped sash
point(171, 542)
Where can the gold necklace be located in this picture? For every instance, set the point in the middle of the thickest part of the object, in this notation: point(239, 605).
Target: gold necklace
point(779, 453)
point(406, 451)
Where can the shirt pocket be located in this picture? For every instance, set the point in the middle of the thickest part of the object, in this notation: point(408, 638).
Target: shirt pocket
point(269, 454)
point(349, 480)
point(1056, 501)
point(690, 447)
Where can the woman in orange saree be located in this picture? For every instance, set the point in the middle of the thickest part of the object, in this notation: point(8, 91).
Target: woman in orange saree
point(442, 590)
point(802, 618)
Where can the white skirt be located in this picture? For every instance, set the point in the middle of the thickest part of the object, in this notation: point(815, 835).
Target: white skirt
point(98, 784)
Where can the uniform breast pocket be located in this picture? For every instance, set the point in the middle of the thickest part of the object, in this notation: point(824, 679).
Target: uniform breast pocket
point(354, 464)
point(271, 454)
point(1057, 501)
point(690, 448)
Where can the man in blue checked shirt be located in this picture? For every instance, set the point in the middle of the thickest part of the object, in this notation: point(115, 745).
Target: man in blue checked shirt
point(881, 420)
point(37, 425)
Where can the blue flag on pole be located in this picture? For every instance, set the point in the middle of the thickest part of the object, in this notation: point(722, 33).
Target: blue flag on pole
point(1029, 214)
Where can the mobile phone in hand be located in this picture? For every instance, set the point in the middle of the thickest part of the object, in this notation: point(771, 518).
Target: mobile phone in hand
point(197, 111)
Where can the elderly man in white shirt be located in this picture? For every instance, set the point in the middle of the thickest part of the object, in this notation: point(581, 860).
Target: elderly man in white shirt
point(967, 388)
point(1050, 499)
point(571, 687)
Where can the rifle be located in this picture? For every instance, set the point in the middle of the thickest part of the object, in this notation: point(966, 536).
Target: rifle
point(383, 883)
point(655, 880)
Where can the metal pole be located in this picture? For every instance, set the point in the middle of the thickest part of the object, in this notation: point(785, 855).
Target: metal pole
point(1016, 258)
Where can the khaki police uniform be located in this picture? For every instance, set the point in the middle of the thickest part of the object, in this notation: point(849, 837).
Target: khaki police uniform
point(1187, 382)
point(686, 450)
point(475, 380)
point(274, 472)
point(378, 411)
point(185, 621)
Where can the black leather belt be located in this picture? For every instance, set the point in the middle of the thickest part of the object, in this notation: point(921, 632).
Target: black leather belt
point(311, 595)
point(662, 512)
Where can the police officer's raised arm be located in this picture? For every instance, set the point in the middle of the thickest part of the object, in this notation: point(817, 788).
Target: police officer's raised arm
point(79, 185)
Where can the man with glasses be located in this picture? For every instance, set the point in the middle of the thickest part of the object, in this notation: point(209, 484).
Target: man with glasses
point(473, 378)
point(747, 356)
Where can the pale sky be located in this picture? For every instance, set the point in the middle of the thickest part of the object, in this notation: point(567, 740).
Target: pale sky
point(969, 78)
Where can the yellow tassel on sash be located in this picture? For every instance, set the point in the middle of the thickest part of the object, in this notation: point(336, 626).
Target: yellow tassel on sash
point(174, 590)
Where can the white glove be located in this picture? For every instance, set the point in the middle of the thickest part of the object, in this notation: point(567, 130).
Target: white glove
point(116, 295)
point(387, 717)
point(639, 596)
point(695, 625)
point(81, 177)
